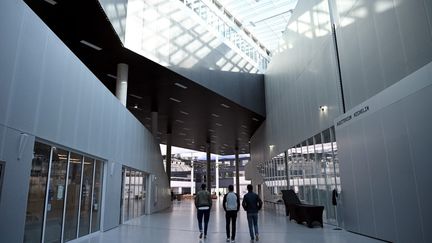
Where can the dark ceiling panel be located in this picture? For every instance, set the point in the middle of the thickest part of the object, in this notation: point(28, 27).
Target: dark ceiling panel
point(201, 116)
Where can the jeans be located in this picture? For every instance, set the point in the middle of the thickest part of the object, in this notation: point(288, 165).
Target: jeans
point(206, 214)
point(231, 216)
point(252, 219)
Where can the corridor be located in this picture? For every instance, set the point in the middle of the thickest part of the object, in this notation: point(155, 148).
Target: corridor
point(179, 224)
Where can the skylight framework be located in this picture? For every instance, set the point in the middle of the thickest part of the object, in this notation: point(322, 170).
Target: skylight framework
point(231, 29)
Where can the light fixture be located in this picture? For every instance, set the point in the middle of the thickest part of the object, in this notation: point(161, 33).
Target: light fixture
point(323, 108)
point(91, 45)
point(271, 146)
point(255, 119)
point(215, 115)
point(179, 121)
point(112, 76)
point(180, 85)
point(184, 113)
point(135, 107)
point(218, 124)
point(224, 105)
point(135, 96)
point(52, 2)
point(176, 100)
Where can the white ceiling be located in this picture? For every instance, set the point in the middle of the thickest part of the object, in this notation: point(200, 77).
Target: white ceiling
point(265, 19)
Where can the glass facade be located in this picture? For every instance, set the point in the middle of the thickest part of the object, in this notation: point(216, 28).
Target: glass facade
point(231, 29)
point(134, 193)
point(62, 212)
point(310, 168)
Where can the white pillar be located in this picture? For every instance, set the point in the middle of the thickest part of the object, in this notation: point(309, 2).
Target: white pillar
point(192, 177)
point(217, 174)
point(122, 82)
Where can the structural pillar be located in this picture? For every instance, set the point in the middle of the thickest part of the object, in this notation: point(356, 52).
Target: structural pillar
point(217, 174)
point(287, 170)
point(237, 171)
point(192, 176)
point(122, 82)
point(168, 158)
point(208, 168)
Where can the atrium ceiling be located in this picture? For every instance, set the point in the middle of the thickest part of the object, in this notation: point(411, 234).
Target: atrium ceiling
point(265, 19)
point(193, 114)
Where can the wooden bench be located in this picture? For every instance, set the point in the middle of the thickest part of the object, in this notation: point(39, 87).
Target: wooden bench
point(301, 212)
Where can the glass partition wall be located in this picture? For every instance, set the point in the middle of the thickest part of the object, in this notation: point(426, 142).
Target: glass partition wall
point(64, 195)
point(134, 193)
point(310, 168)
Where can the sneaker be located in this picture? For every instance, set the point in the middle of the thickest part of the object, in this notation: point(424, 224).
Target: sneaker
point(228, 240)
point(205, 236)
point(232, 240)
point(200, 235)
point(257, 237)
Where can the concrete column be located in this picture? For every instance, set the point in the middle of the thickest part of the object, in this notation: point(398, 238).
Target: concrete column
point(192, 176)
point(154, 120)
point(217, 175)
point(168, 158)
point(287, 169)
point(208, 168)
point(122, 82)
point(237, 162)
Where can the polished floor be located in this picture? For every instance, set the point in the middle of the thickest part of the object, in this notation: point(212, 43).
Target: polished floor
point(179, 224)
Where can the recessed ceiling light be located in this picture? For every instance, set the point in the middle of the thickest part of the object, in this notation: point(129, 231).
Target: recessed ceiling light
point(112, 76)
point(213, 136)
point(176, 100)
point(91, 45)
point(180, 85)
point(215, 115)
point(185, 128)
point(184, 113)
point(182, 134)
point(224, 105)
point(211, 130)
point(179, 121)
point(52, 2)
point(244, 126)
point(148, 118)
point(218, 124)
point(255, 119)
point(226, 145)
point(135, 96)
point(135, 107)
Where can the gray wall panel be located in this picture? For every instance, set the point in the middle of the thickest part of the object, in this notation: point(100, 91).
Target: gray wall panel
point(14, 194)
point(419, 135)
point(396, 132)
point(396, 34)
point(361, 177)
point(401, 175)
point(383, 208)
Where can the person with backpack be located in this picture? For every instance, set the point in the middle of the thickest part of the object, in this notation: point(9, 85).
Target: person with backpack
point(203, 203)
point(252, 203)
point(231, 205)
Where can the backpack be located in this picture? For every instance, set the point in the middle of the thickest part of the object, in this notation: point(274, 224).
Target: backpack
point(231, 201)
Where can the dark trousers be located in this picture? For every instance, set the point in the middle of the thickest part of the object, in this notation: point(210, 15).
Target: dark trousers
point(231, 216)
point(206, 215)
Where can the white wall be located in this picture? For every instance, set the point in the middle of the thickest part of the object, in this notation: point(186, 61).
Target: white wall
point(47, 93)
point(299, 81)
point(385, 164)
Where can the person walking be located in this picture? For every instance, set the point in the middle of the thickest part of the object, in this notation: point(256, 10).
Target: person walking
point(231, 205)
point(203, 203)
point(252, 203)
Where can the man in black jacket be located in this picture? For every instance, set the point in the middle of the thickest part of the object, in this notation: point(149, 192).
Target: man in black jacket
point(252, 203)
